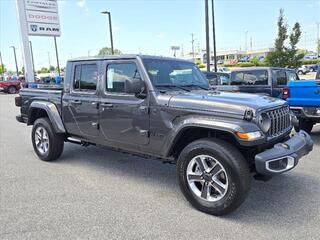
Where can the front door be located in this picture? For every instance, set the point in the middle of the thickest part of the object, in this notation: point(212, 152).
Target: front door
point(81, 112)
point(124, 118)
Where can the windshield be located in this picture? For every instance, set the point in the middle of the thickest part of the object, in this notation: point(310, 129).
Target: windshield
point(167, 73)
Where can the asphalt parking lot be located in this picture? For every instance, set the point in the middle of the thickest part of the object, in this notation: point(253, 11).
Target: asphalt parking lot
point(93, 193)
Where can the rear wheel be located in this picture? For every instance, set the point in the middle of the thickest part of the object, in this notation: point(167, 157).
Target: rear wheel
point(305, 125)
point(213, 176)
point(47, 144)
point(12, 90)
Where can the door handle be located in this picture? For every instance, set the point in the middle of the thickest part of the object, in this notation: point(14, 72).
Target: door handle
point(95, 105)
point(106, 105)
point(76, 102)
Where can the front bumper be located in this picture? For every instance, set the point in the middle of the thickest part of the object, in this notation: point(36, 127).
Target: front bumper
point(283, 156)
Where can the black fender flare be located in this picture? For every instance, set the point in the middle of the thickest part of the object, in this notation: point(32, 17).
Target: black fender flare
point(52, 113)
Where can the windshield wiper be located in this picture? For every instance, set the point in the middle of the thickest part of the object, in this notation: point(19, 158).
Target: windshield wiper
point(173, 86)
point(194, 85)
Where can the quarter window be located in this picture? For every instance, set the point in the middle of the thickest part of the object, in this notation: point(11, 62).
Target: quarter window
point(251, 78)
point(85, 77)
point(118, 74)
point(292, 76)
point(281, 78)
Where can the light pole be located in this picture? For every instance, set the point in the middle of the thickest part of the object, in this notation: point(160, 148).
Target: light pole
point(110, 28)
point(246, 40)
point(214, 38)
point(15, 59)
point(31, 51)
point(49, 60)
point(207, 34)
point(57, 57)
point(192, 43)
point(305, 40)
point(318, 39)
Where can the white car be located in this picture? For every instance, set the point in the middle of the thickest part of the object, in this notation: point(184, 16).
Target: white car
point(224, 69)
point(303, 70)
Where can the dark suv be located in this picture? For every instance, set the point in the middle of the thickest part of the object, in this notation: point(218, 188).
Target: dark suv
point(267, 81)
point(163, 108)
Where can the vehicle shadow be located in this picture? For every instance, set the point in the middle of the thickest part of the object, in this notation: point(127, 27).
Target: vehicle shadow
point(282, 197)
point(315, 134)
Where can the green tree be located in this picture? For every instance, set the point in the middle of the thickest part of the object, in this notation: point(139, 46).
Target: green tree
point(294, 58)
point(286, 56)
point(43, 70)
point(318, 46)
point(107, 51)
point(2, 68)
point(254, 61)
point(52, 69)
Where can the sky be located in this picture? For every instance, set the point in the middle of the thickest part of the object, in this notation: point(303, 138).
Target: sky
point(152, 26)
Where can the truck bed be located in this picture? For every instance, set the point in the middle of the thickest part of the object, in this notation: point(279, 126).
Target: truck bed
point(30, 94)
point(304, 93)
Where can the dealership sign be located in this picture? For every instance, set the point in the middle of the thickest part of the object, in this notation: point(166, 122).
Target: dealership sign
point(43, 29)
point(42, 5)
point(42, 17)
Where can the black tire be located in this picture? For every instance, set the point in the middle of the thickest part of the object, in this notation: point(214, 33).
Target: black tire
point(305, 125)
point(12, 90)
point(234, 164)
point(55, 140)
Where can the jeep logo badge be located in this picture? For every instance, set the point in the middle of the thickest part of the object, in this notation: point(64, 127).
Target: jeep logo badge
point(34, 28)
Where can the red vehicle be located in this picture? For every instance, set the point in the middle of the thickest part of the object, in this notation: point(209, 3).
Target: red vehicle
point(10, 86)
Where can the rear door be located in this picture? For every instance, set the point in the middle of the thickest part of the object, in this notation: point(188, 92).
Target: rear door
point(81, 113)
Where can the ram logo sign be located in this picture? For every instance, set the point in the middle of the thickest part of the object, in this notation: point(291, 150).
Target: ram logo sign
point(41, 29)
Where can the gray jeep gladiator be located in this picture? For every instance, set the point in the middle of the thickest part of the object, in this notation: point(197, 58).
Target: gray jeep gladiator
point(164, 108)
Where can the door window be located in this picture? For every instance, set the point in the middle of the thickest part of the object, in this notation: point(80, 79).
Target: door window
point(85, 77)
point(118, 74)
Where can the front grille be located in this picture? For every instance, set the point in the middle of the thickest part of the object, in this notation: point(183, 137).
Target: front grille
point(280, 121)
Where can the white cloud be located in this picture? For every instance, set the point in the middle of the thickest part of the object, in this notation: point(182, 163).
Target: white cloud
point(160, 35)
point(81, 3)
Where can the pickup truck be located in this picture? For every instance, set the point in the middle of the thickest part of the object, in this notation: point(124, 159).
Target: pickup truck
point(268, 81)
point(303, 96)
point(164, 108)
point(10, 86)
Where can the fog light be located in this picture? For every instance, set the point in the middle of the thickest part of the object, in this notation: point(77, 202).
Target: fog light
point(318, 111)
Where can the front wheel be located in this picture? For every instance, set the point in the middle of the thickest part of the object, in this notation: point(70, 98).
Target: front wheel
point(305, 125)
point(213, 176)
point(47, 144)
point(12, 90)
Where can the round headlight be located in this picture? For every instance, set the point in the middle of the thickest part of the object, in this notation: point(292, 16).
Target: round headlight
point(264, 122)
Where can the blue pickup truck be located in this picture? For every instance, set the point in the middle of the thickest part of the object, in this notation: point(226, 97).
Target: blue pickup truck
point(303, 97)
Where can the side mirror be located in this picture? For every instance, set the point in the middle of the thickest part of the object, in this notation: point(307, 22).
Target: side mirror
point(136, 86)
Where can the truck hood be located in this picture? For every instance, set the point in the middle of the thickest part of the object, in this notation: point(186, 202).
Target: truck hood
point(222, 102)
